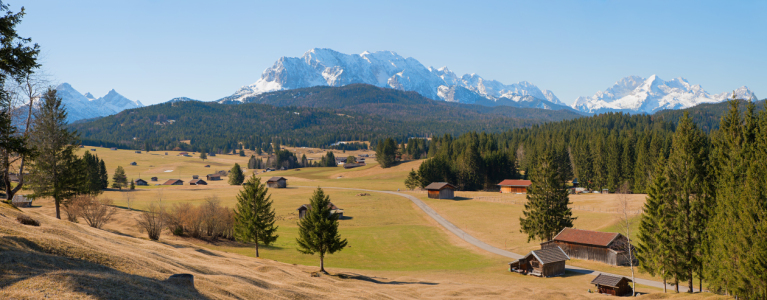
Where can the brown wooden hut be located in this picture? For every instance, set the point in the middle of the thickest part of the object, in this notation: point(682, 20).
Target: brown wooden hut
point(141, 182)
point(543, 263)
point(612, 285)
point(21, 201)
point(174, 182)
point(277, 182)
point(440, 190)
point(197, 182)
point(153, 179)
point(212, 177)
point(607, 247)
point(307, 207)
point(514, 186)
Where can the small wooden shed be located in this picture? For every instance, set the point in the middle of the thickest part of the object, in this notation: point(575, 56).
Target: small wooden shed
point(197, 182)
point(212, 177)
point(307, 207)
point(542, 263)
point(21, 201)
point(514, 186)
point(612, 285)
point(277, 182)
point(140, 182)
point(174, 182)
point(133, 163)
point(607, 247)
point(440, 190)
point(195, 177)
point(153, 179)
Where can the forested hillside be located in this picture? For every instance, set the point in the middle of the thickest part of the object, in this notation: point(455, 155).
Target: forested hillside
point(705, 116)
point(326, 115)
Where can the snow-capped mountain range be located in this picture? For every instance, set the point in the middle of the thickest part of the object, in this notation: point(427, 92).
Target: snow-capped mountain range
point(639, 95)
point(85, 106)
point(326, 67)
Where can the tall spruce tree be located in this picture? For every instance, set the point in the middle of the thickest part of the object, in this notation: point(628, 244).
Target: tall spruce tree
point(546, 212)
point(103, 175)
point(652, 249)
point(236, 176)
point(56, 172)
point(119, 180)
point(318, 230)
point(254, 215)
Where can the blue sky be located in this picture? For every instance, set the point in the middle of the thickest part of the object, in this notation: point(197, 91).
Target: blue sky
point(157, 50)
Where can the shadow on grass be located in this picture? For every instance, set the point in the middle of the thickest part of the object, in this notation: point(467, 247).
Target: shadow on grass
point(461, 198)
point(345, 218)
point(576, 272)
point(85, 277)
point(376, 280)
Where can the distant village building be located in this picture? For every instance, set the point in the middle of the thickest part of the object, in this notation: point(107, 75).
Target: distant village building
point(211, 154)
point(195, 176)
point(93, 149)
point(212, 177)
point(140, 182)
point(183, 153)
point(612, 285)
point(174, 182)
point(153, 178)
point(514, 186)
point(113, 148)
point(440, 190)
point(307, 207)
point(21, 201)
point(207, 166)
point(543, 263)
point(133, 163)
point(197, 182)
point(277, 182)
point(340, 161)
point(607, 247)
point(138, 151)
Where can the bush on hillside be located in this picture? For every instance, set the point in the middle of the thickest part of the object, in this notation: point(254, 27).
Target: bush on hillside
point(26, 220)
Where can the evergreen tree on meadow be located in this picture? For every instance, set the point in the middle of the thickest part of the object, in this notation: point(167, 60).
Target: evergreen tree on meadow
point(653, 248)
point(93, 173)
point(119, 180)
point(236, 176)
point(254, 215)
point(132, 185)
point(203, 155)
point(252, 164)
point(103, 175)
point(413, 180)
point(386, 152)
point(318, 230)
point(546, 212)
point(471, 169)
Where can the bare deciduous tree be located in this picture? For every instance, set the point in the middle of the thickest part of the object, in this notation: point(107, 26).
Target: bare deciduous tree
point(152, 220)
point(128, 197)
point(96, 212)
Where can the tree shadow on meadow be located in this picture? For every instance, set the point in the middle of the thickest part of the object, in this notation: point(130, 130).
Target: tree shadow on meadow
point(84, 277)
point(378, 280)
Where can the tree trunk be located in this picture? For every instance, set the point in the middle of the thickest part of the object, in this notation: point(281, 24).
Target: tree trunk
point(664, 284)
point(322, 264)
point(676, 284)
point(256, 248)
point(58, 210)
point(691, 281)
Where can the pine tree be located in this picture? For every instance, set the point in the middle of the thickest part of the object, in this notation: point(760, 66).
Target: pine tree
point(56, 172)
point(254, 215)
point(132, 185)
point(318, 230)
point(546, 212)
point(103, 175)
point(413, 180)
point(119, 180)
point(203, 155)
point(471, 169)
point(236, 176)
point(652, 247)
point(252, 164)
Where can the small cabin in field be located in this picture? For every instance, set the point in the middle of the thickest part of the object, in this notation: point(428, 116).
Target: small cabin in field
point(514, 186)
point(207, 166)
point(133, 163)
point(21, 201)
point(93, 149)
point(153, 179)
point(140, 182)
point(195, 177)
point(138, 151)
point(277, 182)
point(212, 177)
point(174, 182)
point(542, 263)
point(440, 190)
point(607, 247)
point(113, 148)
point(197, 182)
point(612, 285)
point(182, 153)
point(307, 207)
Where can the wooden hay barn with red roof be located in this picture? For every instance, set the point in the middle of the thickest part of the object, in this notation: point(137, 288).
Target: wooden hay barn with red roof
point(514, 186)
point(607, 247)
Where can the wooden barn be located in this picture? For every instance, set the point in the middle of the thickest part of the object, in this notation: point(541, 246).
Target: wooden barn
point(197, 182)
point(277, 182)
point(542, 263)
point(307, 207)
point(153, 179)
point(607, 247)
point(514, 186)
point(441, 190)
point(174, 182)
point(212, 177)
point(612, 285)
point(140, 182)
point(133, 163)
point(21, 201)
point(195, 177)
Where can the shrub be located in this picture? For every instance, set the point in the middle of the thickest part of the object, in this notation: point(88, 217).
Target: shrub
point(210, 219)
point(74, 208)
point(96, 212)
point(152, 221)
point(26, 220)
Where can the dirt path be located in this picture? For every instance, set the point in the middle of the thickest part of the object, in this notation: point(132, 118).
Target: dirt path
point(482, 245)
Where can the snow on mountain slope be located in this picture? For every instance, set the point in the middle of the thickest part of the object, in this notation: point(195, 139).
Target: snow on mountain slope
point(640, 95)
point(327, 67)
point(86, 106)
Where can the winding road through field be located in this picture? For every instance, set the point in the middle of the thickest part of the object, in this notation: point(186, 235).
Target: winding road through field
point(484, 246)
